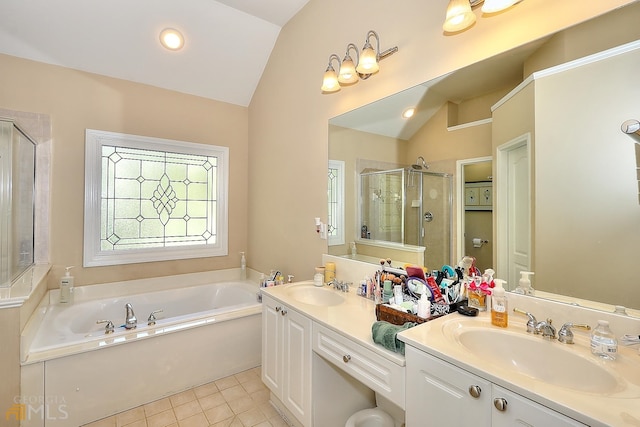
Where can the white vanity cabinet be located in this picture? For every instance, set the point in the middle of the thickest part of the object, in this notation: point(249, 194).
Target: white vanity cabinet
point(372, 370)
point(286, 357)
point(439, 393)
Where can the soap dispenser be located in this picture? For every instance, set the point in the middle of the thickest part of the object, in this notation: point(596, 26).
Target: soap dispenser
point(499, 309)
point(524, 285)
point(243, 267)
point(66, 286)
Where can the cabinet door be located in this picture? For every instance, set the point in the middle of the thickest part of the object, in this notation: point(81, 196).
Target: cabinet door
point(272, 345)
point(516, 410)
point(441, 394)
point(297, 364)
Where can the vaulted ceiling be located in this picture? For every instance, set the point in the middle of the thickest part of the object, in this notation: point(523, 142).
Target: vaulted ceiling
point(227, 42)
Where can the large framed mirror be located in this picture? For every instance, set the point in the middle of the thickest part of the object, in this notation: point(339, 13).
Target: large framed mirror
point(564, 98)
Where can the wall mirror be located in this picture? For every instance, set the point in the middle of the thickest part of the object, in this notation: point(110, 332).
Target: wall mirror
point(584, 214)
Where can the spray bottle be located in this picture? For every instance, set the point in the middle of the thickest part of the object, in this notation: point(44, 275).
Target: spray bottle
point(524, 285)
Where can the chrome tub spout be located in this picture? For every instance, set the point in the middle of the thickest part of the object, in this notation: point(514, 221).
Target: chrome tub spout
point(130, 321)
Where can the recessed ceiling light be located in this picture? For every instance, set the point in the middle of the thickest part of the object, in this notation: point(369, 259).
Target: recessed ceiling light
point(408, 113)
point(171, 39)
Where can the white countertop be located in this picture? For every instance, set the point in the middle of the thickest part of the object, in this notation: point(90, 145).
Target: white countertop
point(621, 408)
point(352, 318)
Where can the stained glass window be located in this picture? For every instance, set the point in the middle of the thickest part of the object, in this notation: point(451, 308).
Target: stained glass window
point(157, 199)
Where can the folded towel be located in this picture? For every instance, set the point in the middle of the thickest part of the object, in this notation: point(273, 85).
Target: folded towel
point(384, 333)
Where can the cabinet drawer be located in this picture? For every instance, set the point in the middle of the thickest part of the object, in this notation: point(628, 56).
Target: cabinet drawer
point(376, 372)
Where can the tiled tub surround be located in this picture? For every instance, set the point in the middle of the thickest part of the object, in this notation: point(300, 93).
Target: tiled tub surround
point(105, 374)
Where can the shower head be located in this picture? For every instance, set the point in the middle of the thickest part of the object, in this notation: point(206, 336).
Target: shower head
point(420, 164)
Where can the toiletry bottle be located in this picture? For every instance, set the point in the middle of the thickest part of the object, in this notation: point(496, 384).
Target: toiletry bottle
point(354, 251)
point(243, 267)
point(524, 285)
point(499, 309)
point(329, 271)
point(66, 286)
point(424, 307)
point(603, 342)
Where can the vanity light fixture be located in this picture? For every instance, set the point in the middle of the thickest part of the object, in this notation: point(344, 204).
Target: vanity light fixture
point(330, 81)
point(171, 39)
point(350, 72)
point(460, 15)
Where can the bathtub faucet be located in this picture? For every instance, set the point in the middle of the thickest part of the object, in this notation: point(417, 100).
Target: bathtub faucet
point(130, 322)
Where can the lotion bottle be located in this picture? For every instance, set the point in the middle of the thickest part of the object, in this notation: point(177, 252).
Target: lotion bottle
point(66, 286)
point(499, 310)
point(424, 306)
point(243, 267)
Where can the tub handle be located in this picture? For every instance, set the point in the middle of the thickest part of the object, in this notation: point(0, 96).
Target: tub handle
point(152, 317)
point(109, 328)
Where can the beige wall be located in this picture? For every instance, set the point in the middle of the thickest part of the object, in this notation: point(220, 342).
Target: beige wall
point(593, 197)
point(76, 101)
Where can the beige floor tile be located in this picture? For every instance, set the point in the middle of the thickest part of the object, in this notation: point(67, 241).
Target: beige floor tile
point(212, 401)
point(252, 417)
point(227, 382)
point(233, 393)
point(182, 398)
point(130, 416)
point(163, 419)
point(236, 423)
point(225, 423)
point(197, 420)
point(219, 413)
point(187, 410)
point(205, 390)
point(260, 396)
point(268, 410)
point(245, 376)
point(157, 406)
point(254, 385)
point(264, 424)
point(257, 370)
point(105, 422)
point(278, 422)
point(139, 423)
point(240, 405)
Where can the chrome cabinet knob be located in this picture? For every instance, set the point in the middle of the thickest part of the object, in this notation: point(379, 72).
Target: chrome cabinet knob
point(474, 391)
point(283, 312)
point(346, 358)
point(278, 308)
point(500, 403)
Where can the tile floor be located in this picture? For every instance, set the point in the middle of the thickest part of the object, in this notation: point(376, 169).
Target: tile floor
point(240, 400)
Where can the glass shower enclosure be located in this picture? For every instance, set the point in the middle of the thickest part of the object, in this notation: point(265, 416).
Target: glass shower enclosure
point(17, 191)
point(409, 207)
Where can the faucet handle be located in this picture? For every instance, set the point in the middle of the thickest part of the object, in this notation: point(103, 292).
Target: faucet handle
point(151, 320)
point(108, 328)
point(531, 323)
point(565, 335)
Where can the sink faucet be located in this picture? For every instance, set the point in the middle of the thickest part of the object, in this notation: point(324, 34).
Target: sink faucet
point(545, 328)
point(130, 321)
point(565, 335)
point(531, 323)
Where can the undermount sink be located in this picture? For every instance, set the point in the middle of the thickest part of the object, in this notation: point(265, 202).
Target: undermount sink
point(532, 356)
point(313, 295)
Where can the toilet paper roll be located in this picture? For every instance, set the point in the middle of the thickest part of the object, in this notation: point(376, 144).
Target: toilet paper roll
point(477, 243)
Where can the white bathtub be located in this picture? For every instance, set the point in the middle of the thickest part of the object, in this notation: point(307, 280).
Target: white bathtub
point(205, 332)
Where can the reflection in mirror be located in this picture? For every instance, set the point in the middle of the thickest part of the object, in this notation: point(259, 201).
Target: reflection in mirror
point(585, 214)
point(407, 206)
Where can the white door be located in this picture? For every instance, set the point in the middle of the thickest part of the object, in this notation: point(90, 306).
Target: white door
point(514, 209)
